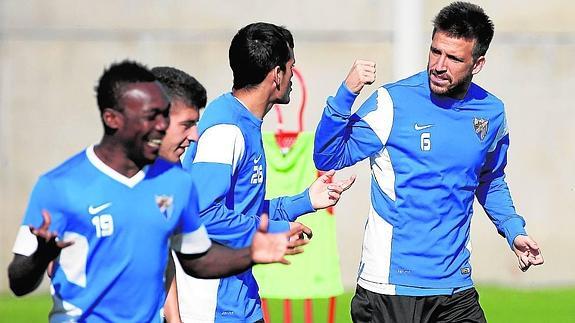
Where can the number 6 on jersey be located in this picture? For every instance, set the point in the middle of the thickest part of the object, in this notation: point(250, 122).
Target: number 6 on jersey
point(425, 141)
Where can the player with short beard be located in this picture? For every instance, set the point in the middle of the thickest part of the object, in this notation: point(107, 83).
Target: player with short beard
point(435, 141)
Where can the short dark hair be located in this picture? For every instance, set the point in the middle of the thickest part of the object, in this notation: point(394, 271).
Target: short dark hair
point(256, 49)
point(109, 88)
point(466, 20)
point(179, 84)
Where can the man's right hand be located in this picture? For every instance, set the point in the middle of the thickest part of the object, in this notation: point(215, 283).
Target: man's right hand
point(362, 73)
point(272, 247)
point(25, 272)
point(48, 246)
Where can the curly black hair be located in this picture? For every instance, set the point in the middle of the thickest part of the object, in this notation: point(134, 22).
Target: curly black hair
point(110, 85)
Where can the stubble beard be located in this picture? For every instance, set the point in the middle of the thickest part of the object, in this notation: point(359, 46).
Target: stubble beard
point(451, 90)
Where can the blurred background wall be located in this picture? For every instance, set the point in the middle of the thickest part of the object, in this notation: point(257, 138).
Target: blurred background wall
point(52, 53)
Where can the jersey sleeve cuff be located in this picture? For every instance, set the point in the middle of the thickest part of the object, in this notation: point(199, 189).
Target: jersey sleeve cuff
point(512, 228)
point(299, 205)
point(26, 242)
point(275, 226)
point(191, 243)
point(343, 100)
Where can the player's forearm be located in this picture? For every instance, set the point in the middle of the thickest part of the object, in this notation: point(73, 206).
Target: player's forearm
point(329, 139)
point(289, 208)
point(497, 203)
point(219, 261)
point(493, 194)
point(25, 273)
point(342, 139)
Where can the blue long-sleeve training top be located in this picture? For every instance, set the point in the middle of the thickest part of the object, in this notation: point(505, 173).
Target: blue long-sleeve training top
point(229, 169)
point(429, 157)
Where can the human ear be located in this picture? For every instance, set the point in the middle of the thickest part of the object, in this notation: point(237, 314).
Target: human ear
point(112, 119)
point(478, 65)
point(277, 77)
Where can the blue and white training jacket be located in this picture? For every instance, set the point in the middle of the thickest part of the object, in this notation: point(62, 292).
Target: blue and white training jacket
point(429, 157)
point(229, 169)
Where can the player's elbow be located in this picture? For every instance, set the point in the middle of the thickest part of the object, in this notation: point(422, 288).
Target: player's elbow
point(197, 265)
point(325, 163)
point(18, 285)
point(18, 291)
point(322, 162)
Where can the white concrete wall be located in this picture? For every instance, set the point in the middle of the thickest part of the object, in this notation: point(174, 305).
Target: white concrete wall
point(52, 53)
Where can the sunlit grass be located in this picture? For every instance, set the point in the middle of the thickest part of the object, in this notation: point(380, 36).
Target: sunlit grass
point(502, 305)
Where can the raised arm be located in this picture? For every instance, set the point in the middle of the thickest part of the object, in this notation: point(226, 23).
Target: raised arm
point(343, 139)
point(34, 249)
point(493, 194)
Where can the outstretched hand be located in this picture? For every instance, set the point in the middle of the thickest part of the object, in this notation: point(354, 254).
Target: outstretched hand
point(527, 251)
point(47, 240)
point(323, 193)
point(362, 73)
point(272, 247)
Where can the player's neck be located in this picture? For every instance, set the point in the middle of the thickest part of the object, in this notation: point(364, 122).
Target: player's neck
point(255, 100)
point(116, 157)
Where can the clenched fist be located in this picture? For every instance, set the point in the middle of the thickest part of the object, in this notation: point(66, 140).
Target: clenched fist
point(361, 73)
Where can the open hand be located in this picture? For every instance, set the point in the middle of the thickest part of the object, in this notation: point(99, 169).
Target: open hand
point(323, 193)
point(47, 240)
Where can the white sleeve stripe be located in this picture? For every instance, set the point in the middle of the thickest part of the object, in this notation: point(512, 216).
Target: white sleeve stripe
point(222, 143)
point(382, 170)
point(73, 259)
point(501, 132)
point(192, 242)
point(380, 120)
point(26, 242)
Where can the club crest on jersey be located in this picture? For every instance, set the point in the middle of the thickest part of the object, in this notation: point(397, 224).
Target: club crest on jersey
point(166, 205)
point(480, 125)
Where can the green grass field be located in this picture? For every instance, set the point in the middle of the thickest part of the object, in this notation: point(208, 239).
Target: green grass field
point(500, 304)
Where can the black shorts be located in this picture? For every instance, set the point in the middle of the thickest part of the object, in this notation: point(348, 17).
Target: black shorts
point(372, 307)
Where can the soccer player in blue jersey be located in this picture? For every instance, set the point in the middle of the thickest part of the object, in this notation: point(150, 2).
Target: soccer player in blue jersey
point(435, 140)
point(230, 167)
point(106, 217)
point(187, 98)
